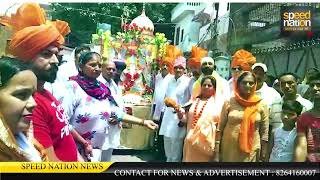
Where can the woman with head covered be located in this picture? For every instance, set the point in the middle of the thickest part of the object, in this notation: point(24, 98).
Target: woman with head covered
point(244, 124)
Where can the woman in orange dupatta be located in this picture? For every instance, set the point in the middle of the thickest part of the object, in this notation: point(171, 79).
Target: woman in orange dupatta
point(244, 124)
point(202, 119)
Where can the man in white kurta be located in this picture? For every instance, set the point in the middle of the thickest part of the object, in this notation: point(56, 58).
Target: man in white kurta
point(173, 134)
point(108, 72)
point(161, 84)
point(269, 95)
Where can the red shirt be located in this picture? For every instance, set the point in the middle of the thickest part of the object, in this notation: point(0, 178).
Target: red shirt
point(310, 125)
point(51, 126)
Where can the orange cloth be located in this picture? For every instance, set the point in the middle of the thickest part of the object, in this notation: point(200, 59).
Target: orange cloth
point(32, 32)
point(199, 144)
point(171, 103)
point(230, 125)
point(247, 127)
point(244, 59)
point(196, 54)
point(172, 52)
point(28, 14)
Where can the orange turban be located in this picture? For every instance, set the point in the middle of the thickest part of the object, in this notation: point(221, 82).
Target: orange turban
point(244, 59)
point(32, 32)
point(196, 54)
point(172, 52)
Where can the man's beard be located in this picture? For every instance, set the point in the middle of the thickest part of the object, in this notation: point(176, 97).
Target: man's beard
point(49, 75)
point(164, 71)
point(207, 70)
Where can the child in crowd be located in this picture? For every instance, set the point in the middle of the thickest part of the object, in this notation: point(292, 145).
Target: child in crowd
point(283, 138)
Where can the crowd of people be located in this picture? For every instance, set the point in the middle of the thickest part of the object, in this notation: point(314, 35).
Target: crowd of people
point(74, 112)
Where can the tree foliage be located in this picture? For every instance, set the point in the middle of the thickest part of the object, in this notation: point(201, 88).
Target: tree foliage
point(84, 17)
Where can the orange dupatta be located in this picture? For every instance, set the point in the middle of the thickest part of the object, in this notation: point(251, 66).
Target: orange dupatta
point(249, 117)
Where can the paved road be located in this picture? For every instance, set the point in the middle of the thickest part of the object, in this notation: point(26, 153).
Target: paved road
point(120, 155)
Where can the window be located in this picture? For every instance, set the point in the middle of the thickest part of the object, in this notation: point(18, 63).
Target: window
point(182, 32)
point(177, 36)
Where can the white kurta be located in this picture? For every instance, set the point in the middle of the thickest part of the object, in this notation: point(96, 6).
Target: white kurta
point(230, 86)
point(114, 130)
point(178, 91)
point(59, 87)
point(307, 105)
point(161, 85)
point(66, 70)
point(273, 101)
point(191, 84)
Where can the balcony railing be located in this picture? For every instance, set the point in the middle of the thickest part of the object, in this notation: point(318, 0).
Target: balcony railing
point(265, 15)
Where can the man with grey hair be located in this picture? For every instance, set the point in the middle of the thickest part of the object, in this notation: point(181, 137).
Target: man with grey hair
point(268, 94)
point(107, 76)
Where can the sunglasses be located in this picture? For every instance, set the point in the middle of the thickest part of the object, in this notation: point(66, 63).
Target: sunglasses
point(237, 69)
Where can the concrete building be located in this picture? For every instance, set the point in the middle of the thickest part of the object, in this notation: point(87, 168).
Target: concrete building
point(205, 25)
point(186, 30)
point(257, 28)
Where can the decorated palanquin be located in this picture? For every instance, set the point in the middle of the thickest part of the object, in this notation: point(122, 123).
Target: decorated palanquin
point(139, 49)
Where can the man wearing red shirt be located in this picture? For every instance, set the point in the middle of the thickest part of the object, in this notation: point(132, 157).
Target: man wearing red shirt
point(37, 41)
point(308, 127)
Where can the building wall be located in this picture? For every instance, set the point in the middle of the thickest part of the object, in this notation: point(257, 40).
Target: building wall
point(5, 34)
point(186, 31)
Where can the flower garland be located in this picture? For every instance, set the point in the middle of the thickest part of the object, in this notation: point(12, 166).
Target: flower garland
point(132, 32)
point(195, 115)
point(161, 42)
point(129, 80)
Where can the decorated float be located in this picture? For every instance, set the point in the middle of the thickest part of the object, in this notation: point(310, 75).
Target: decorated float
point(139, 49)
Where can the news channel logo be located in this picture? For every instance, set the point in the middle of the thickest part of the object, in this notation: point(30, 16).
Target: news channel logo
point(296, 20)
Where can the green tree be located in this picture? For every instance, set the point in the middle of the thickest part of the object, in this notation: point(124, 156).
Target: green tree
point(84, 17)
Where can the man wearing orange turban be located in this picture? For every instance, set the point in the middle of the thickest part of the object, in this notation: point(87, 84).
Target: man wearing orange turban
point(194, 64)
point(242, 60)
point(36, 41)
point(161, 84)
point(172, 52)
